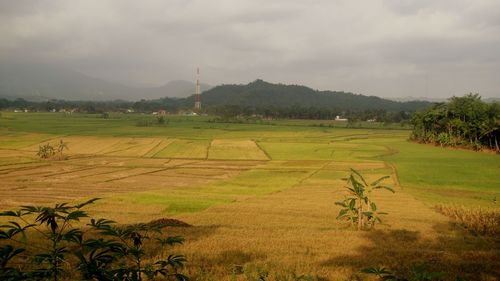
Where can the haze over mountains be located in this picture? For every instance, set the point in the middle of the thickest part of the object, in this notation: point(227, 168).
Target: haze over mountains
point(38, 82)
point(43, 82)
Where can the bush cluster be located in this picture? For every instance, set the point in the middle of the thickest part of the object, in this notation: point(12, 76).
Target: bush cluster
point(43, 243)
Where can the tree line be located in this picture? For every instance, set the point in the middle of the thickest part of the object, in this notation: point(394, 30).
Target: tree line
point(295, 111)
point(313, 113)
point(462, 122)
point(144, 106)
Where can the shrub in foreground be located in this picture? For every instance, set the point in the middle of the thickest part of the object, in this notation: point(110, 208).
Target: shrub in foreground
point(47, 151)
point(419, 272)
point(42, 243)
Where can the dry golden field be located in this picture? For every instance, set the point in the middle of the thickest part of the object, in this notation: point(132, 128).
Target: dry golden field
point(265, 205)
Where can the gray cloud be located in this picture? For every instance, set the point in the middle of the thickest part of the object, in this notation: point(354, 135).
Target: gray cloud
point(383, 47)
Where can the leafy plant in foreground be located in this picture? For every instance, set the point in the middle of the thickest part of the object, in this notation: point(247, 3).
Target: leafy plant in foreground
point(263, 274)
point(358, 207)
point(103, 250)
point(419, 272)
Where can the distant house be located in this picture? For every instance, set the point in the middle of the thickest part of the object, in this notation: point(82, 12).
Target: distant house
point(162, 112)
point(340, 119)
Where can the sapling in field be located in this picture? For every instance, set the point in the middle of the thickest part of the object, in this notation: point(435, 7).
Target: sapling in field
point(358, 208)
point(61, 147)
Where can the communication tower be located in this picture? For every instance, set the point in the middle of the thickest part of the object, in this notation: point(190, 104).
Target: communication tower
point(197, 96)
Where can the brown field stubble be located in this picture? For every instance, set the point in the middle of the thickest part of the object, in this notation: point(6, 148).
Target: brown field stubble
point(296, 229)
point(293, 228)
point(478, 221)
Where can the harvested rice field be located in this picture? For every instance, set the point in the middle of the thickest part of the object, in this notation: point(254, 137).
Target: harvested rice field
point(260, 199)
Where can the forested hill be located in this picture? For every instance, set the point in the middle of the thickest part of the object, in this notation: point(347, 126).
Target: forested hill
point(263, 94)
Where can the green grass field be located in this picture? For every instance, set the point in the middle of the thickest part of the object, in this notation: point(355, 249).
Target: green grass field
point(259, 195)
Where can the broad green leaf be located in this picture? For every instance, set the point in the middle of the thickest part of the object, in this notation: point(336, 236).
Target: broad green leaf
point(379, 180)
point(359, 175)
point(76, 215)
point(385, 187)
point(79, 206)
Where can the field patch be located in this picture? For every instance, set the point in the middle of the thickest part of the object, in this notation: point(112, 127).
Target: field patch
point(258, 182)
point(182, 148)
point(298, 151)
point(129, 162)
point(437, 175)
point(133, 147)
point(178, 202)
point(235, 149)
point(280, 212)
point(79, 145)
point(159, 147)
point(10, 140)
point(337, 151)
point(10, 156)
point(226, 164)
point(358, 165)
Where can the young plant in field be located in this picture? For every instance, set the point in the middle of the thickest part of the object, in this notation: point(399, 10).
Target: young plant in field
point(160, 120)
point(103, 250)
point(61, 147)
point(358, 207)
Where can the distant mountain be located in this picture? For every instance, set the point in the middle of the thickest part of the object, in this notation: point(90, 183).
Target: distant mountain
point(491, 100)
point(42, 82)
point(174, 89)
point(440, 100)
point(263, 94)
point(410, 98)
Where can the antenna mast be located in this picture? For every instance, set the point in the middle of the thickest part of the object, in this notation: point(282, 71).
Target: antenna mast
point(197, 96)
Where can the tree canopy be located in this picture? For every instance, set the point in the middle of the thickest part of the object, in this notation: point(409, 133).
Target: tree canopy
point(463, 121)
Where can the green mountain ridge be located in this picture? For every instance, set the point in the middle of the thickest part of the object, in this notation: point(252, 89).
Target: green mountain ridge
point(260, 94)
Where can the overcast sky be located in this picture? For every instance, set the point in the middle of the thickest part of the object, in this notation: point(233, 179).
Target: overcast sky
point(390, 48)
